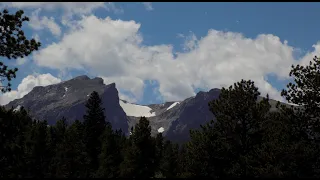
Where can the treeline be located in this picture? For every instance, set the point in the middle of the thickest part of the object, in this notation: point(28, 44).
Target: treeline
point(246, 139)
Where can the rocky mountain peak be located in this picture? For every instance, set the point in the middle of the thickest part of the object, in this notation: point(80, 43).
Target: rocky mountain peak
point(67, 99)
point(81, 78)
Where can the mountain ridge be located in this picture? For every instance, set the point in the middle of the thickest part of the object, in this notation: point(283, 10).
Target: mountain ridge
point(67, 99)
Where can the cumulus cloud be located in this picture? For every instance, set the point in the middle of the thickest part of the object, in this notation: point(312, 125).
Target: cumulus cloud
point(148, 6)
point(26, 85)
point(132, 84)
point(69, 8)
point(127, 98)
point(43, 22)
point(21, 61)
point(114, 50)
point(310, 55)
point(36, 37)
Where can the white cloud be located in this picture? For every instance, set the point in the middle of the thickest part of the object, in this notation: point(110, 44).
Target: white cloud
point(26, 85)
point(69, 8)
point(36, 37)
point(127, 98)
point(310, 55)
point(43, 22)
point(21, 61)
point(128, 83)
point(113, 49)
point(148, 6)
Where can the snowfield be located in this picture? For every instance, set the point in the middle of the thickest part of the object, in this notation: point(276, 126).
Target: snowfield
point(173, 105)
point(160, 130)
point(17, 108)
point(136, 110)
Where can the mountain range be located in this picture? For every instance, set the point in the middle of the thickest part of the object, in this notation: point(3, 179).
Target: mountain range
point(67, 99)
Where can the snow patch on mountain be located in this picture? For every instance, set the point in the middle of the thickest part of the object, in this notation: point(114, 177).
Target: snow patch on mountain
point(173, 105)
point(160, 130)
point(136, 110)
point(17, 108)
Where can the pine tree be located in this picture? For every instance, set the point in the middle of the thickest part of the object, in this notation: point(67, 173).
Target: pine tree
point(37, 160)
point(183, 161)
point(57, 141)
point(227, 146)
point(139, 157)
point(158, 140)
point(168, 165)
point(71, 159)
point(201, 158)
point(13, 44)
point(239, 123)
point(94, 123)
point(274, 157)
point(78, 155)
point(305, 93)
point(110, 157)
point(305, 118)
point(13, 128)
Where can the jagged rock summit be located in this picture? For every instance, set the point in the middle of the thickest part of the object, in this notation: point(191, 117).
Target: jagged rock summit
point(67, 99)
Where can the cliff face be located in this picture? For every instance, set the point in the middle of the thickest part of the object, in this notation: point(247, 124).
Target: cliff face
point(67, 99)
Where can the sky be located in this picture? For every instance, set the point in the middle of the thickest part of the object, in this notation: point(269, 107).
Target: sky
point(158, 52)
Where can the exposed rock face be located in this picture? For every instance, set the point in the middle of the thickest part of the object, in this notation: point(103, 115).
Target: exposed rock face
point(67, 99)
point(176, 118)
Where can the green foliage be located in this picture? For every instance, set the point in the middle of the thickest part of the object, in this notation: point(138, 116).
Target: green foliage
point(304, 119)
point(226, 147)
point(94, 125)
point(13, 128)
point(168, 165)
point(13, 44)
point(71, 160)
point(159, 147)
point(110, 156)
point(37, 159)
point(139, 155)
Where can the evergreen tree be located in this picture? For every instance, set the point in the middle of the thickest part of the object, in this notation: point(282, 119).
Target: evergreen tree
point(78, 155)
point(139, 157)
point(158, 150)
point(13, 128)
point(13, 44)
point(110, 157)
point(305, 118)
point(201, 156)
point(57, 140)
point(274, 157)
point(169, 160)
point(37, 159)
point(239, 123)
point(305, 92)
point(183, 161)
point(71, 159)
point(227, 146)
point(94, 123)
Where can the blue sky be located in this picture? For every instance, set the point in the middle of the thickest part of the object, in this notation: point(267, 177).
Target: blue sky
point(159, 52)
